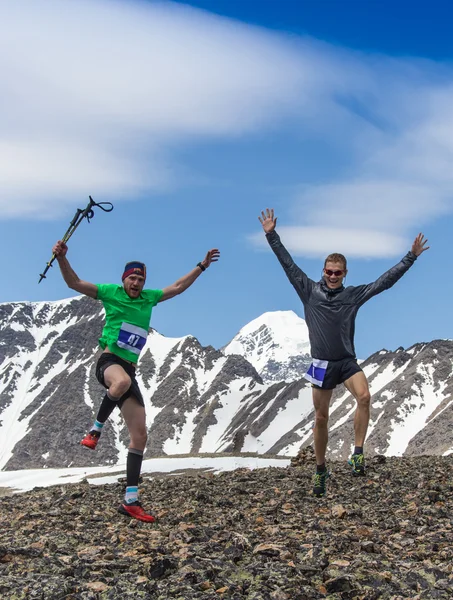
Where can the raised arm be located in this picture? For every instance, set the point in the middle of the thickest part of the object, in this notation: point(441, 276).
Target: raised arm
point(301, 283)
point(186, 281)
point(390, 277)
point(71, 278)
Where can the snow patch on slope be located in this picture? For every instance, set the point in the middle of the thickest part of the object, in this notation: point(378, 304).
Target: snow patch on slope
point(414, 412)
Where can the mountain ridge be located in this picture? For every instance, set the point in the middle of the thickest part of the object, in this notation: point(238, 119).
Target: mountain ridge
point(199, 399)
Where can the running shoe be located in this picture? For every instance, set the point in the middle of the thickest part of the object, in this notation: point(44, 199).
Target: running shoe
point(91, 440)
point(357, 462)
point(135, 510)
point(319, 483)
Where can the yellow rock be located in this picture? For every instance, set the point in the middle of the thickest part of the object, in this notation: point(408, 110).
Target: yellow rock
point(340, 563)
point(338, 511)
point(206, 585)
point(97, 586)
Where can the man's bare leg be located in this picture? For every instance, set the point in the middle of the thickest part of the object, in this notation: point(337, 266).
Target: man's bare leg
point(134, 415)
point(321, 401)
point(357, 385)
point(118, 382)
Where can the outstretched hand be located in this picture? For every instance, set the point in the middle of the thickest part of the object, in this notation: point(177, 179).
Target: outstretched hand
point(419, 245)
point(211, 256)
point(60, 249)
point(267, 220)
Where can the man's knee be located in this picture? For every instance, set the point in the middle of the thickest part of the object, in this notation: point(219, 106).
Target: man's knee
point(321, 418)
point(121, 385)
point(139, 437)
point(143, 437)
point(363, 399)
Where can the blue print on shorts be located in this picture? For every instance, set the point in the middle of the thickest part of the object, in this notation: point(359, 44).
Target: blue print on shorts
point(317, 371)
point(132, 338)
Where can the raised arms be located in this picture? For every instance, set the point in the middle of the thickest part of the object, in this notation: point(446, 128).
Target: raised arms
point(71, 278)
point(390, 277)
point(186, 281)
point(301, 283)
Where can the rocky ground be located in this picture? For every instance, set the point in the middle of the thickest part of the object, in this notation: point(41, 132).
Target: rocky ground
point(257, 535)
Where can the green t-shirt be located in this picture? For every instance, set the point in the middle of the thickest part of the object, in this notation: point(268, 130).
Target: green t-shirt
point(126, 319)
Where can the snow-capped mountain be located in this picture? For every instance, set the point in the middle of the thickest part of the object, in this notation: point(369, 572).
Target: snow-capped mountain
point(411, 405)
point(276, 344)
point(201, 400)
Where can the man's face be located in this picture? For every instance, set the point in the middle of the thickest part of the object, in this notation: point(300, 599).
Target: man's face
point(334, 273)
point(133, 285)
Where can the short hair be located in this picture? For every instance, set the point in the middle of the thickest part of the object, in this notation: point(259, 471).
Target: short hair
point(338, 258)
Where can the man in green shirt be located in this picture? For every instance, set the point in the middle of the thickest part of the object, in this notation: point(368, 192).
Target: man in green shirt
point(128, 311)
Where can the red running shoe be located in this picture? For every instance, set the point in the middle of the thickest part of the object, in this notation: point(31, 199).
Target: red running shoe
point(91, 440)
point(135, 510)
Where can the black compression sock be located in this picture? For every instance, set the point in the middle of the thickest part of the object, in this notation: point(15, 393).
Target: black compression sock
point(107, 407)
point(133, 466)
point(321, 468)
point(358, 450)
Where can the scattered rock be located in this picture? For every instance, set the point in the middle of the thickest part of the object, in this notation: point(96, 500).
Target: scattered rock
point(97, 586)
point(267, 549)
point(339, 511)
point(272, 540)
point(344, 583)
point(304, 456)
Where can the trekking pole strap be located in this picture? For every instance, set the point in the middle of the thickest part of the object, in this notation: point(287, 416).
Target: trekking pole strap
point(89, 212)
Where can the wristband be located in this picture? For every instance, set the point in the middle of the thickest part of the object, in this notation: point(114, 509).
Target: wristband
point(203, 268)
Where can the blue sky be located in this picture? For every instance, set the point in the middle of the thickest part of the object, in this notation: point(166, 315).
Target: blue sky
point(337, 114)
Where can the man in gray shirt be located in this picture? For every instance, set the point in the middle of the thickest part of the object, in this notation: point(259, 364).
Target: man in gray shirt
point(330, 312)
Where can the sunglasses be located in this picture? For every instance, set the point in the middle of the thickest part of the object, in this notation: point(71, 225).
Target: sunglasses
point(331, 273)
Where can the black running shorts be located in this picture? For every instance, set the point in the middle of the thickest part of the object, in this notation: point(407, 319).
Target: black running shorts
point(106, 360)
point(327, 374)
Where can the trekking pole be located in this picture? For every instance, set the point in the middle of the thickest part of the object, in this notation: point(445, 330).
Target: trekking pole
point(86, 213)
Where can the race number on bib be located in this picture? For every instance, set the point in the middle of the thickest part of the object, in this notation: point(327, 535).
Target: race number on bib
point(132, 338)
point(317, 371)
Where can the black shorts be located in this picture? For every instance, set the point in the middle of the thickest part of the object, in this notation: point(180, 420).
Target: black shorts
point(105, 360)
point(327, 374)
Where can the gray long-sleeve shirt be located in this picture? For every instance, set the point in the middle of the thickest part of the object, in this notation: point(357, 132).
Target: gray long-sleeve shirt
point(330, 314)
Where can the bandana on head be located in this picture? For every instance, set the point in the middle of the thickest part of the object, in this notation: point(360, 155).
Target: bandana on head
point(134, 268)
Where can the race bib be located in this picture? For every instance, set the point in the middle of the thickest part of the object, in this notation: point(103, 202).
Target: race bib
point(132, 338)
point(317, 371)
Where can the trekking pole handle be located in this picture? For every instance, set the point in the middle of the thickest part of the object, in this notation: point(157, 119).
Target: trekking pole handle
point(80, 214)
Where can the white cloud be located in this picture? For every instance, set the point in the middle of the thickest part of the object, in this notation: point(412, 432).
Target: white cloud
point(317, 241)
point(389, 121)
point(372, 204)
point(96, 93)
